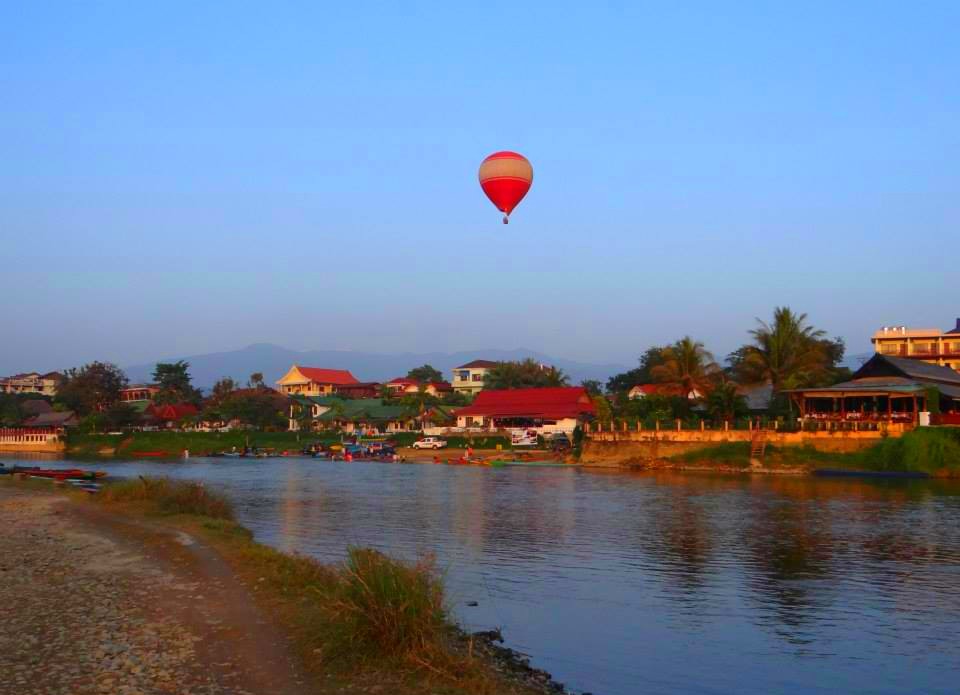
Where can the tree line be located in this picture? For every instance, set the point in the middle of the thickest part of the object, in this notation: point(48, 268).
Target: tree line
point(786, 353)
point(92, 392)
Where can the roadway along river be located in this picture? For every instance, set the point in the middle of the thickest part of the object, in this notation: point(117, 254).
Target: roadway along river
point(624, 584)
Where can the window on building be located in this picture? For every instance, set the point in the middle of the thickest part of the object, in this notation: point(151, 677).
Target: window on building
point(477, 377)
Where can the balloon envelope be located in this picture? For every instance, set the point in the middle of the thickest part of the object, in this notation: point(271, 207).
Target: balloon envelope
point(506, 177)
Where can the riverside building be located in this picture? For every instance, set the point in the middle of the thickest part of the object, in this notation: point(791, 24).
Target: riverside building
point(930, 345)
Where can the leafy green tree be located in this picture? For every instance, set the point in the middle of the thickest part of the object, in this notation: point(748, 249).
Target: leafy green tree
point(603, 408)
point(524, 375)
point(593, 387)
point(304, 417)
point(688, 366)
point(425, 374)
point(173, 378)
point(94, 422)
point(91, 388)
point(455, 398)
point(416, 404)
point(211, 413)
point(256, 380)
point(643, 374)
point(725, 403)
point(121, 416)
point(262, 409)
point(652, 407)
point(222, 390)
point(10, 413)
point(788, 352)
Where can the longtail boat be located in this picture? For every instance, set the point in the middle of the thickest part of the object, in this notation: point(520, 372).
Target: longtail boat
point(60, 473)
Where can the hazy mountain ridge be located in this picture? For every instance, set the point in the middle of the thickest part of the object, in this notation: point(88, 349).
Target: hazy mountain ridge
point(273, 361)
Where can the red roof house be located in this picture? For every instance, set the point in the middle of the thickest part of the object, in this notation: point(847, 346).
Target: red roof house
point(565, 407)
point(170, 413)
point(403, 385)
point(314, 381)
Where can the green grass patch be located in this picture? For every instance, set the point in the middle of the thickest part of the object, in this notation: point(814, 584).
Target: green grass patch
point(198, 443)
point(931, 450)
point(926, 450)
point(725, 453)
point(737, 455)
point(169, 497)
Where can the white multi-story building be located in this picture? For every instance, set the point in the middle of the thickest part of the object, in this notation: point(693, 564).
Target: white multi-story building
point(468, 378)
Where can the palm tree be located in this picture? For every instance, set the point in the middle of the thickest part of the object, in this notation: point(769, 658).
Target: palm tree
point(786, 352)
point(688, 365)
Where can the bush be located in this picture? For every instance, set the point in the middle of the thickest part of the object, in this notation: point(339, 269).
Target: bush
point(170, 496)
point(926, 450)
point(384, 608)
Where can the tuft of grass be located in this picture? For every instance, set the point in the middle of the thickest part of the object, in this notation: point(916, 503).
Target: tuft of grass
point(372, 616)
point(170, 496)
point(386, 609)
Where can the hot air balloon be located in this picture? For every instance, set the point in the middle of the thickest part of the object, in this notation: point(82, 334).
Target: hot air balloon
point(506, 177)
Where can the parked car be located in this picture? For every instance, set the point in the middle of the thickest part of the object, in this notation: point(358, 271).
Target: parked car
point(430, 443)
point(560, 442)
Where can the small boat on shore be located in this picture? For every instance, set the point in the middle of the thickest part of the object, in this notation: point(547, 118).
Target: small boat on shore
point(59, 473)
point(499, 463)
point(844, 473)
point(149, 454)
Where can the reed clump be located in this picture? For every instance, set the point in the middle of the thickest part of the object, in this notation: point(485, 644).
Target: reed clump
point(170, 496)
point(929, 450)
point(384, 608)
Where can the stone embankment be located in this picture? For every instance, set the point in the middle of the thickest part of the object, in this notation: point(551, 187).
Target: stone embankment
point(91, 605)
point(630, 448)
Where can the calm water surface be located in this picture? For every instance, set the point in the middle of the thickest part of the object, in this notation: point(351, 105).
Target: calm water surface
point(619, 583)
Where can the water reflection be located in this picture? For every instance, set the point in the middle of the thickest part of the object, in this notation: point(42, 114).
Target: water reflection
point(625, 583)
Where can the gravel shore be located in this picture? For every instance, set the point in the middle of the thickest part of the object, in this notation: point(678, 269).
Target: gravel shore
point(88, 606)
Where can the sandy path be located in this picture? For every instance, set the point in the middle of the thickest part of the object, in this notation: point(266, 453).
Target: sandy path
point(94, 603)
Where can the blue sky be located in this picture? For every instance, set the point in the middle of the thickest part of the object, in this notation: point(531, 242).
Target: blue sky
point(188, 177)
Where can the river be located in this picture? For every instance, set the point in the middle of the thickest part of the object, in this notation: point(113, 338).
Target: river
point(623, 584)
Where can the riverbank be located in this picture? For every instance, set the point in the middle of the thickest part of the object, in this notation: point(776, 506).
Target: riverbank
point(173, 444)
point(189, 599)
point(933, 452)
point(94, 604)
point(170, 444)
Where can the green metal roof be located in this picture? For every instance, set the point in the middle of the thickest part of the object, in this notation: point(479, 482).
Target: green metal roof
point(367, 409)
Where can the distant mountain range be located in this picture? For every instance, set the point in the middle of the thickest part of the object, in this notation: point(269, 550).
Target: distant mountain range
point(274, 361)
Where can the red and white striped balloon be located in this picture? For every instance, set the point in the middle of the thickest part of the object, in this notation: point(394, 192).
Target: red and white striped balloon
point(506, 177)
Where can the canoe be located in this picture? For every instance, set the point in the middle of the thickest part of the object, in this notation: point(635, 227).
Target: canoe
point(64, 474)
point(842, 473)
point(148, 453)
point(497, 463)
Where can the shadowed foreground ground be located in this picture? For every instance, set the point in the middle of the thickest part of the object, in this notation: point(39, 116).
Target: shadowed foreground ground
point(93, 604)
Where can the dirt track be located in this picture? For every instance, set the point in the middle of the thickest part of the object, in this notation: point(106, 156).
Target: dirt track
point(93, 603)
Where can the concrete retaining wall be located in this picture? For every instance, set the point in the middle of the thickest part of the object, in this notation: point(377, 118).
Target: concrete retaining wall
point(622, 448)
